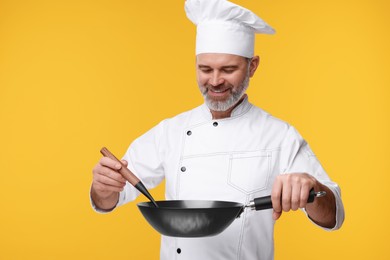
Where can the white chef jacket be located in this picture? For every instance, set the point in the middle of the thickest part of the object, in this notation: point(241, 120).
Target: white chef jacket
point(232, 159)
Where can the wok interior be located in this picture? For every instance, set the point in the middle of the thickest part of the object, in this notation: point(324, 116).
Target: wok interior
point(190, 218)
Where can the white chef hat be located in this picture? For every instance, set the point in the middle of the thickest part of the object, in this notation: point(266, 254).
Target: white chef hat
point(224, 27)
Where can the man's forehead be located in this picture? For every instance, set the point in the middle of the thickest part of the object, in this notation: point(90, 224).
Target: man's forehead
point(220, 59)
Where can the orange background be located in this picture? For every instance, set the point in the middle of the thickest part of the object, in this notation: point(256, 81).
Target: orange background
point(79, 75)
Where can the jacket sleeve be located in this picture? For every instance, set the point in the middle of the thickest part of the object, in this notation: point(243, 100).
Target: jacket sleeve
point(297, 157)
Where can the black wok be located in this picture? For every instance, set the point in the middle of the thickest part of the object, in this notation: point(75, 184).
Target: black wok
point(200, 218)
point(192, 218)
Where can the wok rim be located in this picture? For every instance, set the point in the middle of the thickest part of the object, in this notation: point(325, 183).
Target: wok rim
point(224, 204)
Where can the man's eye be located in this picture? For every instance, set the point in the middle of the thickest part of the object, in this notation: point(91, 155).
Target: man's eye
point(228, 71)
point(206, 70)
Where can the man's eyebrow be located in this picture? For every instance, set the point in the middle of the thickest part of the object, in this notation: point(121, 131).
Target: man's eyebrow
point(230, 67)
point(223, 67)
point(203, 66)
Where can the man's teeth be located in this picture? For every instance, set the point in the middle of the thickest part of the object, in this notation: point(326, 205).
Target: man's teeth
point(218, 91)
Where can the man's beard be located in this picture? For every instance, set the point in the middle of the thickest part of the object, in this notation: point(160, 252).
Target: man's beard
point(223, 105)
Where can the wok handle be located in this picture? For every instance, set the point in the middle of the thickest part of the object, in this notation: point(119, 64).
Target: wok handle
point(129, 176)
point(266, 202)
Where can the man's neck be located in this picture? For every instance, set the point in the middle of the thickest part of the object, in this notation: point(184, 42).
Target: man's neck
point(227, 113)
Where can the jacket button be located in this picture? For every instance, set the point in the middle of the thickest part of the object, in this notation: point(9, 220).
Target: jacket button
point(183, 169)
point(189, 133)
point(215, 124)
point(178, 250)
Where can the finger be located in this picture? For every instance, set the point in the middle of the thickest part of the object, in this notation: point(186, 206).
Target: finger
point(296, 197)
point(276, 215)
point(110, 163)
point(113, 175)
point(108, 172)
point(100, 187)
point(286, 197)
point(305, 191)
point(276, 195)
point(109, 181)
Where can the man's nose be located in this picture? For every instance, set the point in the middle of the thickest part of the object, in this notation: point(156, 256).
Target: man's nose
point(216, 79)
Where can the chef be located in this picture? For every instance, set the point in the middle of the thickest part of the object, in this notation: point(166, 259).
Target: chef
point(225, 149)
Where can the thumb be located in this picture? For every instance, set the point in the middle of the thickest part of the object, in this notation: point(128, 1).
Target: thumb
point(124, 162)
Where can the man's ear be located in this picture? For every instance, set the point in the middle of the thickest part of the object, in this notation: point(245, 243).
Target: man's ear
point(254, 63)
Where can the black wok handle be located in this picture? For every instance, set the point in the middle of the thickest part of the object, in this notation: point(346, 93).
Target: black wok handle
point(266, 202)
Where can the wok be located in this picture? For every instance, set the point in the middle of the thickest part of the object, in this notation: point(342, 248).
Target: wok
point(192, 218)
point(200, 218)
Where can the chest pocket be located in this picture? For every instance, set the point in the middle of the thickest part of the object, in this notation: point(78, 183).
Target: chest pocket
point(250, 172)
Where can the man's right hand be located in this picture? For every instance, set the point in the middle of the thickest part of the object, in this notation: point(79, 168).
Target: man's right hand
point(107, 183)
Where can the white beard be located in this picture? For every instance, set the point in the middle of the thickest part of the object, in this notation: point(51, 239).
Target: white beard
point(235, 96)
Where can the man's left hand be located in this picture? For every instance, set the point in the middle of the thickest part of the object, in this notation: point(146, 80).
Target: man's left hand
point(291, 192)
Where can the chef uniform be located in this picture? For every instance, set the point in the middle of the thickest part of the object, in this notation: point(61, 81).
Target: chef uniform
point(232, 159)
